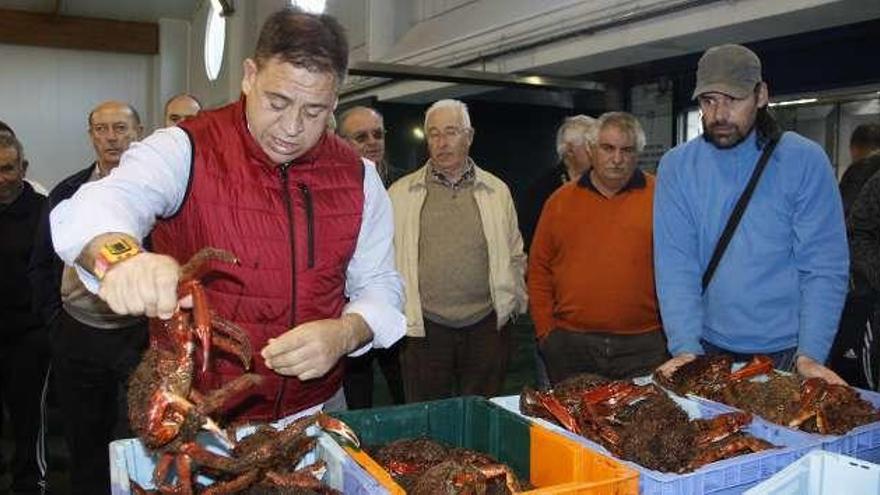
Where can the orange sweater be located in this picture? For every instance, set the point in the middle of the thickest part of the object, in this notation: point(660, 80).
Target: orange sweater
point(591, 265)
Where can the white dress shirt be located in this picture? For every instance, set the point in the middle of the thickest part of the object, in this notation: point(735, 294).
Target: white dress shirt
point(150, 183)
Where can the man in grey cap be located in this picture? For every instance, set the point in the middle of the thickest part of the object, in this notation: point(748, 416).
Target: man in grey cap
point(779, 285)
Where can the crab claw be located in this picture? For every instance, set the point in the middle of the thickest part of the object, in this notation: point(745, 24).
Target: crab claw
point(221, 434)
point(759, 365)
point(554, 407)
point(338, 429)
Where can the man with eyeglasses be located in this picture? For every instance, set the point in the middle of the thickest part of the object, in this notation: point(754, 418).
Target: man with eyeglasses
point(779, 286)
point(364, 129)
point(591, 267)
point(459, 250)
point(94, 350)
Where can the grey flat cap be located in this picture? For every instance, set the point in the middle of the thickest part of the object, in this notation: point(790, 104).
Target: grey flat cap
point(733, 70)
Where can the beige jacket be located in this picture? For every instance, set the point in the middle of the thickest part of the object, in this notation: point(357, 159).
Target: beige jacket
point(507, 262)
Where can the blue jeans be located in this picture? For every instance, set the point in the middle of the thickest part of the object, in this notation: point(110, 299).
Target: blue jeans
point(782, 360)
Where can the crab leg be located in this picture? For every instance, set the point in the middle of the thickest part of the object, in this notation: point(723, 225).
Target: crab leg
point(235, 485)
point(759, 365)
point(217, 398)
point(554, 407)
point(339, 429)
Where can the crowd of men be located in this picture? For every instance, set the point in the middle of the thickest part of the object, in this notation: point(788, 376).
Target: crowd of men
point(740, 244)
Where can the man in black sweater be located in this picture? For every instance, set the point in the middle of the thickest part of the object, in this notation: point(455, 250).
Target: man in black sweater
point(864, 148)
point(24, 350)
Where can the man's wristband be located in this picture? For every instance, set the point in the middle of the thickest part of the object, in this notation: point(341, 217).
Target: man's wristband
point(112, 253)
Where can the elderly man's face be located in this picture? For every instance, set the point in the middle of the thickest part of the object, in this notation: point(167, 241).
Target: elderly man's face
point(287, 107)
point(112, 130)
point(180, 109)
point(615, 158)
point(728, 120)
point(11, 175)
point(449, 142)
point(364, 130)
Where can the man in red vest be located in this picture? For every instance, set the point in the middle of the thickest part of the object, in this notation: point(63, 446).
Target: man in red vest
point(262, 178)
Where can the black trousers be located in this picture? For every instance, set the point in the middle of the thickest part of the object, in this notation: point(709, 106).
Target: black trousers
point(24, 363)
point(568, 353)
point(448, 362)
point(91, 369)
point(849, 338)
point(358, 381)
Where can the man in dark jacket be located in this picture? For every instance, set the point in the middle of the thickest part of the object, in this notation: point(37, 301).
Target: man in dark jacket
point(864, 149)
point(24, 353)
point(94, 350)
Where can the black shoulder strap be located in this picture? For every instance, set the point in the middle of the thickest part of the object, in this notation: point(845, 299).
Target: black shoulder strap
point(738, 211)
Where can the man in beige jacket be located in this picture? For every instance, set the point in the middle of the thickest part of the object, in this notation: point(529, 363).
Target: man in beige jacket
point(459, 250)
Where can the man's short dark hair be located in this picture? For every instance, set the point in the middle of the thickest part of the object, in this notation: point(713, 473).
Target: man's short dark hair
point(10, 141)
point(314, 42)
point(866, 136)
point(134, 115)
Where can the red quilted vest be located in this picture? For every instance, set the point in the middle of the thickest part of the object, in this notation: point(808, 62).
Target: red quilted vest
point(294, 230)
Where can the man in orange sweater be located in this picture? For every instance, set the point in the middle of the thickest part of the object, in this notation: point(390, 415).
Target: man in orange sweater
point(591, 271)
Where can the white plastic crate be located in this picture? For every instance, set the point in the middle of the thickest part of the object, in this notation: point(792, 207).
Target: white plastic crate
point(823, 473)
point(130, 461)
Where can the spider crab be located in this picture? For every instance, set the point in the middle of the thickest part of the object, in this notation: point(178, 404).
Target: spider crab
point(627, 419)
point(165, 411)
point(710, 376)
point(835, 409)
point(425, 466)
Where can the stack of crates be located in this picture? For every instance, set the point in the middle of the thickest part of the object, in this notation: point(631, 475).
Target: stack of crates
point(552, 463)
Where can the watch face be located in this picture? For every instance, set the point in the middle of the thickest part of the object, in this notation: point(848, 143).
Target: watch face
point(119, 247)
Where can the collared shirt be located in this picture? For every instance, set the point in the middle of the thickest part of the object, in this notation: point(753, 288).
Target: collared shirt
point(151, 183)
point(498, 216)
point(466, 179)
point(637, 181)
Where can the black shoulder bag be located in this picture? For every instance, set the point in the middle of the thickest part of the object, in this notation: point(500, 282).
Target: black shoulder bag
point(738, 211)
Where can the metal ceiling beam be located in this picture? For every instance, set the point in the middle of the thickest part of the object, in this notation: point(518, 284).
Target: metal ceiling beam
point(464, 76)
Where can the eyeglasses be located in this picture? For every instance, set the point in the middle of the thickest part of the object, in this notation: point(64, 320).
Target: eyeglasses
point(104, 129)
point(448, 133)
point(363, 136)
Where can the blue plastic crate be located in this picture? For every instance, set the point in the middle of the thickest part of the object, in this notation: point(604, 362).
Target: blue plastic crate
point(729, 476)
point(862, 442)
point(129, 460)
point(822, 473)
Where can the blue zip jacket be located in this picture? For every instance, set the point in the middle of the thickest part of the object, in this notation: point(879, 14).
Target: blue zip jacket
point(783, 279)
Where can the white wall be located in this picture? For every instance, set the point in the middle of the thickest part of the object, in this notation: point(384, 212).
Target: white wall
point(47, 93)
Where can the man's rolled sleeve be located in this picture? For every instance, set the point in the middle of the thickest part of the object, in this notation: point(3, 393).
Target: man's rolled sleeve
point(373, 286)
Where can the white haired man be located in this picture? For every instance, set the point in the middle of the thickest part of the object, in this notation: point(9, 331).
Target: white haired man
point(459, 250)
point(591, 288)
point(573, 148)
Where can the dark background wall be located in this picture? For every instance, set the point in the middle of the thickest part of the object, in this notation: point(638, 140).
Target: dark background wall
point(516, 141)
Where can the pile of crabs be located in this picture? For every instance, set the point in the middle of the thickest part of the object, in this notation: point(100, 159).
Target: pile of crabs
point(644, 424)
point(812, 405)
point(167, 413)
point(423, 466)
point(641, 423)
